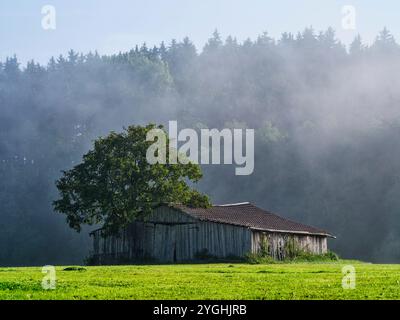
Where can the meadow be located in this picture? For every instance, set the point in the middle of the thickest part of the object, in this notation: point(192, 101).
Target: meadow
point(205, 281)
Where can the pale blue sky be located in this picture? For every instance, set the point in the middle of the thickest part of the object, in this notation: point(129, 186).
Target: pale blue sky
point(111, 26)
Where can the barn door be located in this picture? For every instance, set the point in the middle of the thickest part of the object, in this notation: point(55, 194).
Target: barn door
point(173, 242)
point(163, 243)
point(186, 241)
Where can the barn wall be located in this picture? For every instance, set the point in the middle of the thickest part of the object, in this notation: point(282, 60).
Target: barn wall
point(169, 235)
point(277, 243)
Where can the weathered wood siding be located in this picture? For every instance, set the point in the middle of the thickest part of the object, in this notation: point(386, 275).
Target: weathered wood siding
point(169, 235)
point(277, 243)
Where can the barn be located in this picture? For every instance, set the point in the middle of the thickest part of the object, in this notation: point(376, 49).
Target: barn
point(174, 233)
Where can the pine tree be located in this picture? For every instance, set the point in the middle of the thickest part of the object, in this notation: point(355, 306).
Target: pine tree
point(385, 42)
point(287, 39)
point(72, 57)
point(265, 40)
point(214, 43)
point(52, 65)
point(11, 67)
point(163, 51)
point(356, 47)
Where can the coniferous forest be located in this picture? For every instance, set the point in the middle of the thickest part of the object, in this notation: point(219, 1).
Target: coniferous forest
point(326, 119)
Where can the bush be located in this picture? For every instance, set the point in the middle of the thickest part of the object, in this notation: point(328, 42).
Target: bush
point(294, 256)
point(292, 253)
point(254, 258)
point(305, 256)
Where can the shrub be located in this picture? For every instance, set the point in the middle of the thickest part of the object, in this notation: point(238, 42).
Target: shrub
point(301, 256)
point(292, 252)
point(292, 249)
point(254, 258)
point(305, 256)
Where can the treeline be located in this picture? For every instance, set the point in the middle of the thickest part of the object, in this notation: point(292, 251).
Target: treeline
point(327, 124)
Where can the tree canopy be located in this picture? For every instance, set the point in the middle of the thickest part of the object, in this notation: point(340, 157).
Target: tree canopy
point(116, 184)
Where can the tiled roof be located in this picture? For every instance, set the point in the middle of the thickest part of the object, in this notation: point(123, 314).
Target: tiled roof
point(247, 215)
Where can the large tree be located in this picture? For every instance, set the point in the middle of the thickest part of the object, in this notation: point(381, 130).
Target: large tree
point(115, 183)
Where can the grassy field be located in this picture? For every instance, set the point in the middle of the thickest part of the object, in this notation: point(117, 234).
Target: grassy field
point(205, 281)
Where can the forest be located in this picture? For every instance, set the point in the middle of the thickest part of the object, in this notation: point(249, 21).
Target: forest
point(326, 120)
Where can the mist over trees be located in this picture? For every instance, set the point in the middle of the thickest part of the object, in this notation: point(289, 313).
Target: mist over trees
point(327, 123)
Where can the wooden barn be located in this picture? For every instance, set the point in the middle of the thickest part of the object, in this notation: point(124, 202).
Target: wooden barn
point(177, 233)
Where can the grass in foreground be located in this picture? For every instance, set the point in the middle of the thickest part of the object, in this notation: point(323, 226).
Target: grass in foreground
point(205, 281)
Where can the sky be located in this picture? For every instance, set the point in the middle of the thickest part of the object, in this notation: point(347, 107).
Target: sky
point(118, 25)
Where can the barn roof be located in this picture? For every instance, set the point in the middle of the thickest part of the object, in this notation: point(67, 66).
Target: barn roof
point(248, 215)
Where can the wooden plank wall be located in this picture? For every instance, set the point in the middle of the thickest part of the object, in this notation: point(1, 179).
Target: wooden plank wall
point(276, 242)
point(169, 235)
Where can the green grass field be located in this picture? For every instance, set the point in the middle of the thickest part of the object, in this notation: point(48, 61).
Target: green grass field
point(205, 281)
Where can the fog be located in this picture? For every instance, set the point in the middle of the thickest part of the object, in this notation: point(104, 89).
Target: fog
point(326, 120)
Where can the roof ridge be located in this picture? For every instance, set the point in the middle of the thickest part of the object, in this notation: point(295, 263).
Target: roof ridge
point(231, 204)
